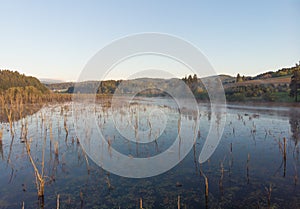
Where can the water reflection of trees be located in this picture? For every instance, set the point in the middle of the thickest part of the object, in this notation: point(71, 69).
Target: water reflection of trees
point(295, 125)
point(29, 109)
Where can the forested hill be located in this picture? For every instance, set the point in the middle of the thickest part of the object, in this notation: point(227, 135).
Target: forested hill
point(10, 79)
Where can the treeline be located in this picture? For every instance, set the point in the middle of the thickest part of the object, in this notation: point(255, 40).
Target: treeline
point(270, 74)
point(19, 88)
point(263, 92)
point(21, 95)
point(103, 87)
point(278, 73)
point(283, 92)
point(9, 79)
point(17, 102)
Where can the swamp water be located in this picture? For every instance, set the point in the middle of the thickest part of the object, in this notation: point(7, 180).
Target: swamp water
point(247, 170)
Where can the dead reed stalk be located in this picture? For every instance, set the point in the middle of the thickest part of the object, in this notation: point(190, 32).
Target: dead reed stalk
point(178, 125)
point(222, 176)
point(39, 177)
point(296, 175)
point(86, 160)
point(269, 192)
point(57, 202)
point(110, 187)
point(284, 156)
point(56, 149)
point(1, 134)
point(178, 202)
point(141, 203)
point(206, 187)
point(65, 127)
point(248, 162)
point(8, 112)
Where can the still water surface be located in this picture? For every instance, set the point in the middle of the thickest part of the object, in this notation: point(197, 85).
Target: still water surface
point(247, 170)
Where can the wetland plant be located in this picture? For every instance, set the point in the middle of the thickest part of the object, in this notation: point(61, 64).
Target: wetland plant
point(141, 203)
point(248, 162)
point(269, 192)
point(39, 175)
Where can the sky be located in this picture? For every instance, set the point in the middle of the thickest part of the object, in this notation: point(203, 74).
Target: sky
point(56, 39)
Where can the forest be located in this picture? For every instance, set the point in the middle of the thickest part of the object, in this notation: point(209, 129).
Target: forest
point(282, 85)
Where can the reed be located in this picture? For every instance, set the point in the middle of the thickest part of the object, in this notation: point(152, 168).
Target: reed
point(178, 125)
point(1, 145)
point(248, 164)
point(8, 111)
point(57, 201)
point(284, 156)
point(1, 134)
point(56, 149)
point(66, 127)
point(86, 160)
point(269, 192)
point(110, 187)
point(206, 187)
point(221, 177)
point(109, 141)
point(206, 191)
point(284, 148)
point(81, 199)
point(178, 202)
point(141, 203)
point(39, 177)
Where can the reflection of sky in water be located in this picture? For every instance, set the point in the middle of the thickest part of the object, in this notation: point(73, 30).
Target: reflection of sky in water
point(258, 133)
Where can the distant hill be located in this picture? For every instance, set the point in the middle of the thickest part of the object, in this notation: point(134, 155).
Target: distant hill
point(10, 79)
point(275, 78)
point(269, 86)
point(278, 73)
point(59, 86)
point(50, 81)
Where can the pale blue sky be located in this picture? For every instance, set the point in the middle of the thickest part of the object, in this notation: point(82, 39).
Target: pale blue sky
point(55, 39)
